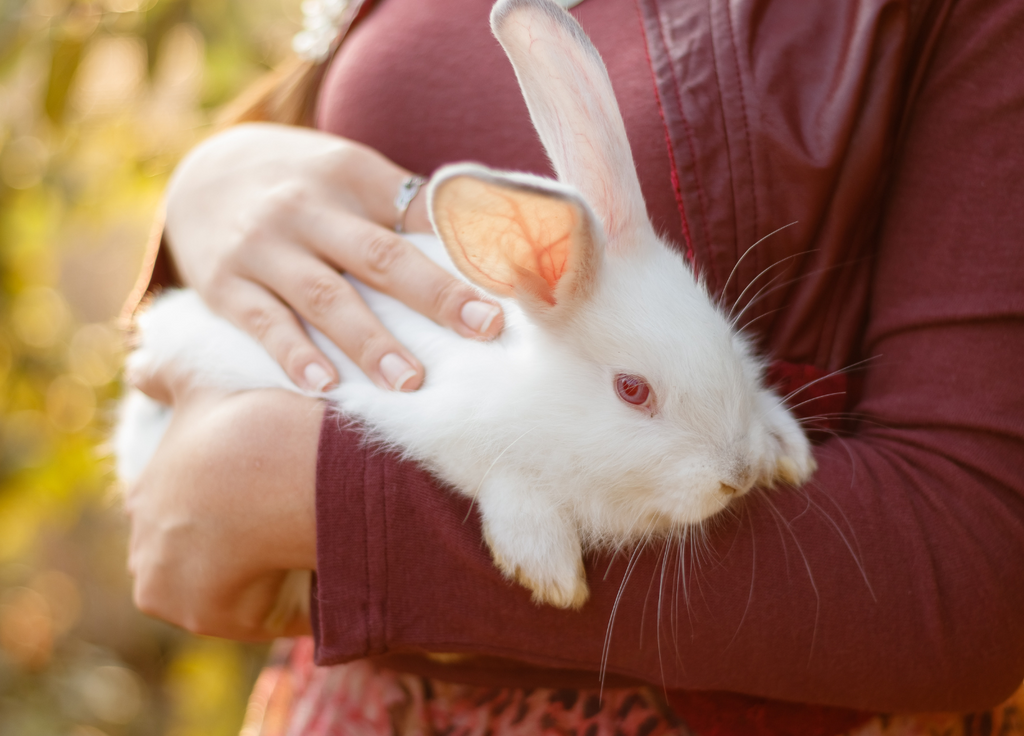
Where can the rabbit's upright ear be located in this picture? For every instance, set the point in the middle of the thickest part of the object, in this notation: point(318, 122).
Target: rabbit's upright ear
point(573, 108)
point(517, 235)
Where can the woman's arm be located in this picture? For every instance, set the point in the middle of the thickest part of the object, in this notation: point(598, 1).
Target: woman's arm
point(225, 508)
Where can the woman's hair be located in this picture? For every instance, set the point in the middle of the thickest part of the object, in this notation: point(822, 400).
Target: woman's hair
point(285, 95)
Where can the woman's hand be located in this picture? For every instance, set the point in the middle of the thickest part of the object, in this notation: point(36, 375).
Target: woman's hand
point(262, 219)
point(225, 507)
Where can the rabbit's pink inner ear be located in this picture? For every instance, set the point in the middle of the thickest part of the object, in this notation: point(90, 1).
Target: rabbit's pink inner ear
point(573, 107)
point(513, 240)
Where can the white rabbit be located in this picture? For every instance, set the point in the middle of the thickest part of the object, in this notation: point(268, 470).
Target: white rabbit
point(618, 402)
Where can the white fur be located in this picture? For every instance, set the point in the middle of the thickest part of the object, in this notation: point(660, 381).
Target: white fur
point(530, 424)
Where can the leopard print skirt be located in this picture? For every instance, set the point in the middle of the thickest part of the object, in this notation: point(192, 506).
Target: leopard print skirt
point(293, 697)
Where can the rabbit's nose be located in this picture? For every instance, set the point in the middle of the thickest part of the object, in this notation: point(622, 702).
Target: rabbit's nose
point(739, 482)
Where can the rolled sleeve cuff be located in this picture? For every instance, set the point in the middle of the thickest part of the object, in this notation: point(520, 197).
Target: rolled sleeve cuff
point(347, 606)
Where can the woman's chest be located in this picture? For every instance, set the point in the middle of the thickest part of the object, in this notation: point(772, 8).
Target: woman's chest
point(426, 83)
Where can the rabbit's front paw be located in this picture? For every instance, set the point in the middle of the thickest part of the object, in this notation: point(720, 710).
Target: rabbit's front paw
point(553, 572)
point(795, 471)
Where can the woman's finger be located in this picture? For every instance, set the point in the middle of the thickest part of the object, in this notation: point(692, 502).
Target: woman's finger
point(389, 263)
point(328, 302)
point(261, 314)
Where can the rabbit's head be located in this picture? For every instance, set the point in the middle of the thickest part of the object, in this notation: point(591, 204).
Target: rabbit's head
point(666, 399)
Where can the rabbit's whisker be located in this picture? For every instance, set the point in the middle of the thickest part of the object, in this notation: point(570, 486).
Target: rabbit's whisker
point(769, 313)
point(754, 280)
point(630, 566)
point(839, 371)
point(753, 576)
point(757, 297)
point(851, 416)
point(777, 515)
point(759, 293)
point(672, 547)
point(849, 545)
point(725, 288)
point(684, 543)
point(817, 398)
point(657, 623)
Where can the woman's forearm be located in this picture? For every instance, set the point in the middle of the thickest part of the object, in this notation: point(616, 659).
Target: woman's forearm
point(892, 583)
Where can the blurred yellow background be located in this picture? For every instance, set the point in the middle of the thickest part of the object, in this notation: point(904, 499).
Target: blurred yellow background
point(98, 100)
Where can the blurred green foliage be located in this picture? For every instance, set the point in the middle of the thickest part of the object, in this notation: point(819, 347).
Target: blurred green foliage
point(97, 102)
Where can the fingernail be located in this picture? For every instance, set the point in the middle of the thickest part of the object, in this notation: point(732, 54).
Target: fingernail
point(478, 316)
point(396, 370)
point(317, 379)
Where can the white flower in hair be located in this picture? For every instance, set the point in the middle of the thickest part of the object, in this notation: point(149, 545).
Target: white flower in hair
point(321, 20)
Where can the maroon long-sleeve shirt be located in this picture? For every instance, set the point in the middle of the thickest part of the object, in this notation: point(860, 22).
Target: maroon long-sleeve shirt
point(891, 134)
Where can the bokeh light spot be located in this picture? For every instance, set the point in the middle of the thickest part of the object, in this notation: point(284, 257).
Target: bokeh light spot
point(111, 75)
point(26, 628)
point(62, 596)
point(95, 353)
point(70, 403)
point(23, 162)
point(84, 730)
point(113, 694)
point(181, 56)
point(24, 436)
point(39, 316)
point(6, 359)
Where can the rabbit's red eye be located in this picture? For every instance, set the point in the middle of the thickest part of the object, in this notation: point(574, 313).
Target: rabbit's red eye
point(632, 389)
